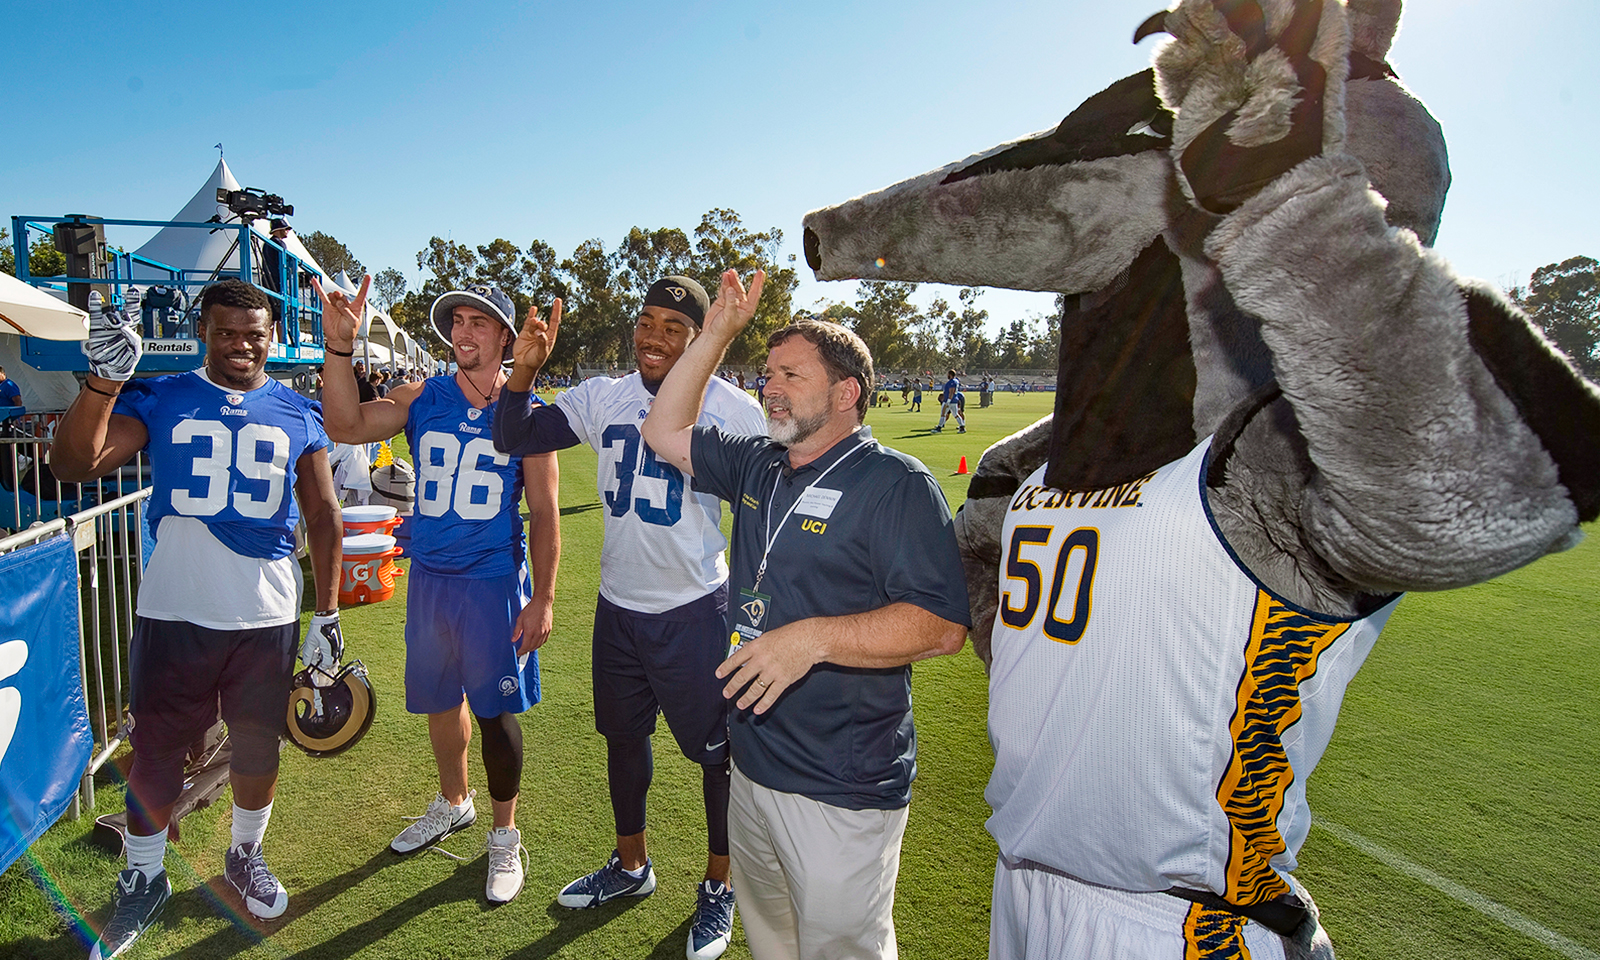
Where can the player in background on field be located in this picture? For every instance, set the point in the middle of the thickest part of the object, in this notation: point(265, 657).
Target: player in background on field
point(474, 624)
point(950, 404)
point(659, 626)
point(219, 610)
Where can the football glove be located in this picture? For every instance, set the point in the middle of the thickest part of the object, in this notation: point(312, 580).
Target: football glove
point(323, 648)
point(115, 344)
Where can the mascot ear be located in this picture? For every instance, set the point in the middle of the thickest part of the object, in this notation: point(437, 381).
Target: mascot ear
point(1126, 382)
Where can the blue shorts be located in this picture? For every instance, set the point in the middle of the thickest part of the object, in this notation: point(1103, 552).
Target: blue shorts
point(458, 639)
point(645, 663)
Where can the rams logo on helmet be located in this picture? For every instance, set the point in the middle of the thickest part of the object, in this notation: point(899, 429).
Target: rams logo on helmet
point(327, 720)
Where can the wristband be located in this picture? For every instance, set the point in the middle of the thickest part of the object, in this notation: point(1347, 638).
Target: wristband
point(96, 389)
point(338, 353)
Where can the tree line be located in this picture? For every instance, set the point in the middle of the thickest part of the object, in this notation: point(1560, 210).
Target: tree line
point(603, 288)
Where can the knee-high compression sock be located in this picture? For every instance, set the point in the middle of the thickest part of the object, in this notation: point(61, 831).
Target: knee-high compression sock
point(629, 767)
point(502, 754)
point(714, 786)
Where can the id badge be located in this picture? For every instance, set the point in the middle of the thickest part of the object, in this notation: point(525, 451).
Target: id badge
point(750, 619)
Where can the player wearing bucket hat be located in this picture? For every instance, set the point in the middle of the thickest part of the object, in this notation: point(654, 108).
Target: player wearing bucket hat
point(490, 301)
point(474, 622)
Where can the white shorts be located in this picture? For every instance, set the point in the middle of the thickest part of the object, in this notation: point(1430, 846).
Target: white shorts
point(1038, 913)
point(814, 881)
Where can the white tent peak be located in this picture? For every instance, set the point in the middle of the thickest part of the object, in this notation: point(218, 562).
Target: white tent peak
point(194, 249)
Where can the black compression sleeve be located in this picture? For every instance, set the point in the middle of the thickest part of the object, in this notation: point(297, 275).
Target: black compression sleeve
point(629, 767)
point(502, 754)
point(522, 428)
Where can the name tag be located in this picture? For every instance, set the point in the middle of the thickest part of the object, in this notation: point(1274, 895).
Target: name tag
point(818, 502)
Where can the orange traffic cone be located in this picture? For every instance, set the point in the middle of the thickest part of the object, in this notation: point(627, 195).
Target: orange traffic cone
point(961, 467)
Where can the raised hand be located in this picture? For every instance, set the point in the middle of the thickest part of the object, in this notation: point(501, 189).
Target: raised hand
point(1257, 87)
point(734, 306)
point(115, 344)
point(341, 316)
point(538, 338)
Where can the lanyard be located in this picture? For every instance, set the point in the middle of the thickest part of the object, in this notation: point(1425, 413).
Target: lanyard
point(772, 538)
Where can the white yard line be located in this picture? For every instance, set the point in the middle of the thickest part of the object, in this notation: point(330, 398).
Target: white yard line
point(1495, 911)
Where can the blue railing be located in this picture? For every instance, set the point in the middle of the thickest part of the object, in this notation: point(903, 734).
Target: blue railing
point(171, 340)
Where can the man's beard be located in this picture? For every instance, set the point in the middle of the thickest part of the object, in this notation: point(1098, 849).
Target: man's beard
point(793, 429)
point(480, 361)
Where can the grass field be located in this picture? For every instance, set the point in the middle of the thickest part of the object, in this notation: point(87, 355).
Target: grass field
point(1460, 795)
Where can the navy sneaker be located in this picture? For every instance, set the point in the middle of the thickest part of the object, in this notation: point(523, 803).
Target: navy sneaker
point(136, 904)
point(712, 923)
point(246, 871)
point(606, 883)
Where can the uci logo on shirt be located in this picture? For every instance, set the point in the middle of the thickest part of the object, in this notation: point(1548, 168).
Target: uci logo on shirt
point(814, 526)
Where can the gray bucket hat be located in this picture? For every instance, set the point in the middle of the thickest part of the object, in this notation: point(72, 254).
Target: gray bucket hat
point(480, 296)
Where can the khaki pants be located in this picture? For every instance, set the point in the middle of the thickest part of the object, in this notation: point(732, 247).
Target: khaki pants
point(814, 881)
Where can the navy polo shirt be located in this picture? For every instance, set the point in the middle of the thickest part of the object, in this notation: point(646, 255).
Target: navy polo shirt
point(840, 735)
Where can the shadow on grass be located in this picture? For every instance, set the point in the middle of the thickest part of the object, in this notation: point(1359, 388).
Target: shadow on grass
point(215, 897)
point(580, 508)
point(572, 924)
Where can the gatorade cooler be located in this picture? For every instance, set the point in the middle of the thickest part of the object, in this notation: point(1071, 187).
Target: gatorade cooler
point(369, 519)
point(368, 572)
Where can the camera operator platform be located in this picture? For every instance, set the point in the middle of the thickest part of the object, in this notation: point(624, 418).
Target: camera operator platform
point(165, 296)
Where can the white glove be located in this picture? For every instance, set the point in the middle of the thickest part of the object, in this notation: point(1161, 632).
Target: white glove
point(115, 344)
point(323, 648)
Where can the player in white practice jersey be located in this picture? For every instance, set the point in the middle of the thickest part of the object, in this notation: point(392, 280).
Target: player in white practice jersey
point(659, 629)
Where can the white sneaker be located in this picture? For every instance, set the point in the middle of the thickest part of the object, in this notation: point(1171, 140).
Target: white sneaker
point(439, 822)
point(507, 864)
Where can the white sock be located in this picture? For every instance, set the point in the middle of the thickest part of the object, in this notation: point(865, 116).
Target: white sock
point(635, 874)
point(250, 825)
point(146, 853)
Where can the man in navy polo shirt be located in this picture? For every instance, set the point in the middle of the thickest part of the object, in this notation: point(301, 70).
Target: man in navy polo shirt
point(831, 599)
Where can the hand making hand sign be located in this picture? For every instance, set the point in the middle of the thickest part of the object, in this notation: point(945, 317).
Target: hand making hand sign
point(341, 316)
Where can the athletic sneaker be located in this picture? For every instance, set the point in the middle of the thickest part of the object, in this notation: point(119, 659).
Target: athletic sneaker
point(712, 923)
point(961, 430)
point(607, 882)
point(937, 430)
point(135, 905)
point(439, 822)
point(506, 865)
point(246, 870)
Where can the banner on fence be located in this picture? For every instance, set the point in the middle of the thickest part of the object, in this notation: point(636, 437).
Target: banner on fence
point(44, 724)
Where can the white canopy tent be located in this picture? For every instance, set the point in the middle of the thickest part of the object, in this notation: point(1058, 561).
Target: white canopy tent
point(373, 353)
point(27, 310)
point(190, 248)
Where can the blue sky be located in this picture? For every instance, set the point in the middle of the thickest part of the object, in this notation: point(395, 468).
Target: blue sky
point(385, 124)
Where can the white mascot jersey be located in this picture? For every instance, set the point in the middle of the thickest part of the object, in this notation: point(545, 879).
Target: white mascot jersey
point(663, 542)
point(1154, 711)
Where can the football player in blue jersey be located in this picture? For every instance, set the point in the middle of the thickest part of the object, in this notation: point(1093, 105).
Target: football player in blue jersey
point(659, 625)
point(218, 613)
point(474, 623)
point(952, 403)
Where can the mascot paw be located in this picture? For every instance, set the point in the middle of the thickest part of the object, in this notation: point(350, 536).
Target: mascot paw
point(1257, 86)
